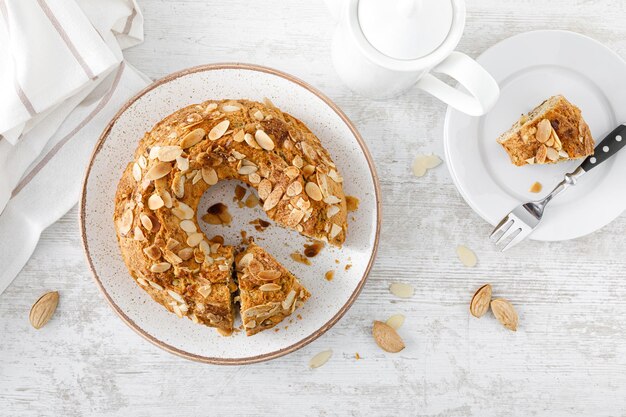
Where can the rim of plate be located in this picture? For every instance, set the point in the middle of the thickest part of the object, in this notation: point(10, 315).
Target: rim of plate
point(446, 139)
point(266, 356)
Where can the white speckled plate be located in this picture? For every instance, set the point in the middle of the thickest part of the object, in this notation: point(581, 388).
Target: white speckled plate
point(529, 68)
point(329, 300)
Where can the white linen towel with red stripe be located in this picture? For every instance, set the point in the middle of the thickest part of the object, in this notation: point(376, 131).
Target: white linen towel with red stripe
point(62, 78)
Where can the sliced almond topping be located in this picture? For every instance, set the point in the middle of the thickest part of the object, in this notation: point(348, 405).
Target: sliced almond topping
point(185, 254)
point(160, 267)
point(289, 299)
point(308, 151)
point(544, 130)
point(205, 290)
point(270, 287)
point(552, 154)
point(254, 178)
point(178, 186)
point(542, 152)
point(334, 231)
point(176, 296)
point(167, 198)
point(298, 162)
point(230, 108)
point(188, 226)
point(210, 107)
point(313, 191)
point(219, 130)
point(251, 141)
point(145, 221)
point(155, 202)
point(183, 211)
point(396, 321)
point(466, 256)
point(387, 338)
point(333, 175)
point(320, 359)
point(563, 154)
point(238, 136)
point(308, 170)
point(294, 189)
point(331, 199)
point(194, 239)
point(264, 140)
point(152, 252)
point(401, 290)
point(292, 172)
point(159, 170)
point(125, 222)
point(172, 244)
point(136, 172)
point(209, 175)
point(247, 169)
point(169, 153)
point(182, 163)
point(269, 275)
point(530, 161)
point(480, 301)
point(138, 234)
point(265, 188)
point(154, 151)
point(332, 210)
point(273, 199)
point(245, 260)
point(192, 138)
point(143, 162)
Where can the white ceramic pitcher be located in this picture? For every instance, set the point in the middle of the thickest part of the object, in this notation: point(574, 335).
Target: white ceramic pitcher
point(381, 48)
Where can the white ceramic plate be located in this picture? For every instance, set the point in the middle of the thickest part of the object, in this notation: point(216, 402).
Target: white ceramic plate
point(329, 300)
point(530, 68)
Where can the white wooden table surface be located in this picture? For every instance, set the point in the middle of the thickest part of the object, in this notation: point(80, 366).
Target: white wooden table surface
point(567, 358)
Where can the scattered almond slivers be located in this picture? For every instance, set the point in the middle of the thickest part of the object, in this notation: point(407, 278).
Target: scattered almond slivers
point(401, 290)
point(480, 301)
point(505, 313)
point(423, 163)
point(396, 321)
point(536, 187)
point(320, 359)
point(386, 337)
point(466, 256)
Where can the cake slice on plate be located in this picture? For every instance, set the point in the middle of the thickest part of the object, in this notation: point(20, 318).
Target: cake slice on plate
point(553, 131)
point(267, 291)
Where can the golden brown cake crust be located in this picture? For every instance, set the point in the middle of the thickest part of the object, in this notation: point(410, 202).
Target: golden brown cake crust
point(554, 131)
point(186, 153)
point(267, 291)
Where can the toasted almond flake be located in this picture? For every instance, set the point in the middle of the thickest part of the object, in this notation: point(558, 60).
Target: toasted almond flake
point(155, 202)
point(155, 285)
point(298, 162)
point(289, 299)
point(185, 254)
point(167, 198)
point(197, 177)
point(230, 108)
point(188, 226)
point(182, 164)
point(205, 290)
point(142, 161)
point(308, 151)
point(172, 244)
point(270, 287)
point(210, 107)
point(251, 141)
point(157, 171)
point(183, 211)
point(332, 210)
point(401, 290)
point(331, 199)
point(396, 321)
point(386, 337)
point(154, 151)
point(466, 256)
point(169, 153)
point(264, 140)
point(423, 163)
point(552, 154)
point(209, 175)
point(480, 301)
point(194, 239)
point(138, 234)
point(505, 313)
point(142, 281)
point(535, 188)
point(219, 130)
point(308, 170)
point(152, 252)
point(265, 188)
point(41, 312)
point(530, 161)
point(254, 178)
point(145, 221)
point(294, 189)
point(269, 275)
point(273, 199)
point(237, 155)
point(160, 267)
point(320, 359)
point(136, 172)
point(334, 231)
point(192, 138)
point(176, 296)
point(245, 260)
point(247, 169)
point(251, 324)
point(178, 186)
point(258, 115)
point(542, 153)
point(238, 136)
point(563, 154)
point(333, 175)
point(125, 222)
point(313, 191)
point(544, 130)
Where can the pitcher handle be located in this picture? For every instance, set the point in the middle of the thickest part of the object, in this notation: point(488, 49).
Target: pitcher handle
point(483, 89)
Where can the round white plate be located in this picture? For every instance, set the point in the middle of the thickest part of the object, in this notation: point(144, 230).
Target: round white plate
point(329, 300)
point(530, 68)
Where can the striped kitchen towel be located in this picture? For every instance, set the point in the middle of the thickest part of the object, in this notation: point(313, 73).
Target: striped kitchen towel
point(62, 78)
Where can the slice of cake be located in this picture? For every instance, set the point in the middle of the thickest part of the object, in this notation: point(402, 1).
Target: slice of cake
point(267, 291)
point(552, 132)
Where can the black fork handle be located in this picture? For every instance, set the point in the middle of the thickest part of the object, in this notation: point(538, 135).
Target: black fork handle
point(611, 144)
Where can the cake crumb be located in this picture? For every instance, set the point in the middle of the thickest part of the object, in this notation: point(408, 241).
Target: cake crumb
point(536, 187)
point(312, 250)
point(352, 203)
point(240, 193)
point(329, 275)
point(252, 200)
point(299, 316)
point(348, 266)
point(300, 258)
point(357, 356)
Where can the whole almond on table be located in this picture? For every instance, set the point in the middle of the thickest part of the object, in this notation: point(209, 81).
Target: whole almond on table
point(386, 337)
point(480, 301)
point(43, 309)
point(505, 313)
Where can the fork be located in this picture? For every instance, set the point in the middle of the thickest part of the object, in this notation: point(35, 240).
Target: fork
point(520, 223)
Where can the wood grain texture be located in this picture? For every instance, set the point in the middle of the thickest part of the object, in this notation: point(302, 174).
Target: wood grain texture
point(567, 358)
